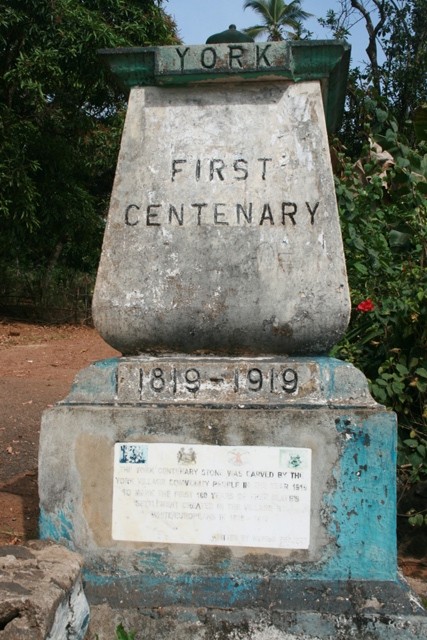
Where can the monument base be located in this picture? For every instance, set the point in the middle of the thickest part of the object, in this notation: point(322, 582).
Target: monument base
point(307, 611)
point(198, 486)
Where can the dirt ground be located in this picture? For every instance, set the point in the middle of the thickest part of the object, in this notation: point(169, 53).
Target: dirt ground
point(37, 367)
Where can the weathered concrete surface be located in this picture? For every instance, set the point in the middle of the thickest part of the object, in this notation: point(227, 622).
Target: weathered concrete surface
point(297, 61)
point(353, 481)
point(41, 593)
point(345, 584)
point(197, 380)
point(223, 235)
point(322, 612)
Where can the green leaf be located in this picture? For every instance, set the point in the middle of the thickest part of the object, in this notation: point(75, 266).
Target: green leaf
point(421, 372)
point(421, 450)
point(361, 268)
point(417, 520)
point(381, 382)
point(415, 459)
point(402, 369)
point(411, 443)
point(121, 634)
point(379, 394)
point(403, 163)
point(390, 136)
point(397, 387)
point(381, 115)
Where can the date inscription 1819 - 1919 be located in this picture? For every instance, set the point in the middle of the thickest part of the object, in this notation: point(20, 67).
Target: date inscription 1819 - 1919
point(191, 380)
point(157, 381)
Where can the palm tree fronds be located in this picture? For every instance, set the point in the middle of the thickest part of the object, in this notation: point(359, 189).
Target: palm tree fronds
point(276, 15)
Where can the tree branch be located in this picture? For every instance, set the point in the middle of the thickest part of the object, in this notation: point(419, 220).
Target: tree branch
point(373, 31)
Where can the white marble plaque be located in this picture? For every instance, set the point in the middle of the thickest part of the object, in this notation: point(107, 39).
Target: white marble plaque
point(214, 495)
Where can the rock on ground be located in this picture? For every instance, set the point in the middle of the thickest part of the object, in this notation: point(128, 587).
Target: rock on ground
point(41, 594)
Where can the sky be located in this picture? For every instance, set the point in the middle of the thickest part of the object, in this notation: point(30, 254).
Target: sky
point(199, 19)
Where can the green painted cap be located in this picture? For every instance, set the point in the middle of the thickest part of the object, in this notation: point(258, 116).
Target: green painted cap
point(292, 60)
point(230, 35)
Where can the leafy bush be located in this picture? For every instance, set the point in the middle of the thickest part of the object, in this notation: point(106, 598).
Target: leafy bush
point(383, 205)
point(58, 294)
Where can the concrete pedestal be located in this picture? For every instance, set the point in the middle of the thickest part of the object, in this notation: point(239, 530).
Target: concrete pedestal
point(345, 576)
point(227, 497)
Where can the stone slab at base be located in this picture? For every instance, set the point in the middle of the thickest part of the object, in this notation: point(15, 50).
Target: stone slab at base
point(41, 593)
point(309, 611)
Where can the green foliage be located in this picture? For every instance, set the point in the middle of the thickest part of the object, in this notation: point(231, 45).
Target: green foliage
point(398, 30)
point(61, 115)
point(383, 205)
point(420, 123)
point(121, 634)
point(381, 166)
point(332, 21)
point(58, 294)
point(404, 43)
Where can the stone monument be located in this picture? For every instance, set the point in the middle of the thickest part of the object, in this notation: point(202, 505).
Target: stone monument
point(225, 469)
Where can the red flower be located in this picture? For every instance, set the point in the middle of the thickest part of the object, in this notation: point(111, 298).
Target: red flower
point(366, 305)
